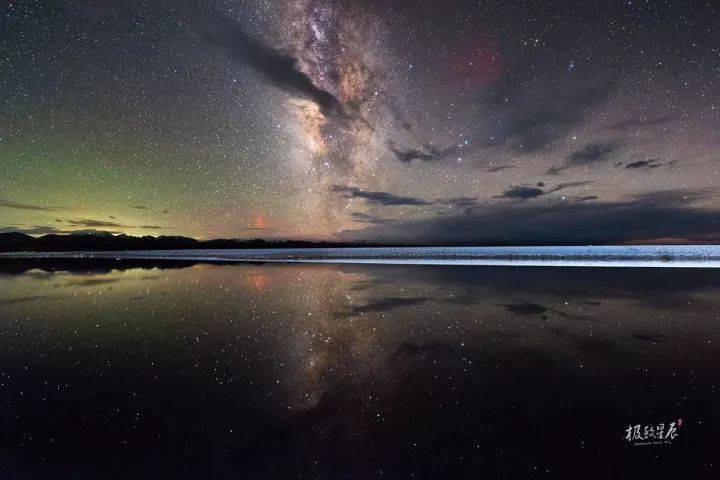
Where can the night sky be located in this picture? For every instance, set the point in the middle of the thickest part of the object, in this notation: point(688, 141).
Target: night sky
point(406, 121)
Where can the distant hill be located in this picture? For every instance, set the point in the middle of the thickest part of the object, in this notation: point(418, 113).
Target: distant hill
point(98, 241)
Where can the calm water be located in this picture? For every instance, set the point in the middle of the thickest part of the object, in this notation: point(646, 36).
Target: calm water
point(365, 371)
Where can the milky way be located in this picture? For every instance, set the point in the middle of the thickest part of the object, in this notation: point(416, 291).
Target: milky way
point(435, 122)
point(328, 40)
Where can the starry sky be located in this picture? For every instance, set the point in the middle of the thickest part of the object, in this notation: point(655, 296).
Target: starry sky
point(491, 122)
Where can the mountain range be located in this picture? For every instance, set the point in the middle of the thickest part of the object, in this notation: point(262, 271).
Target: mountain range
point(105, 241)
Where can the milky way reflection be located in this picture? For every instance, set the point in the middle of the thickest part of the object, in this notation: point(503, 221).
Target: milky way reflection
point(268, 371)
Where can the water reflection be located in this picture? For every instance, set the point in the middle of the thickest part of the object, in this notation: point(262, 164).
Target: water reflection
point(122, 370)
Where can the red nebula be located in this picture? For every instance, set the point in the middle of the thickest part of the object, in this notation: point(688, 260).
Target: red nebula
point(477, 61)
point(259, 221)
point(258, 282)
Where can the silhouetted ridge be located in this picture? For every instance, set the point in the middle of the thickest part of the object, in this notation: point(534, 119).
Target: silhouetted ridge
point(99, 241)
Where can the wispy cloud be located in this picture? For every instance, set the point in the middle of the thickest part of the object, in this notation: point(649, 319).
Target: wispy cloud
point(380, 198)
point(572, 222)
point(27, 206)
point(589, 154)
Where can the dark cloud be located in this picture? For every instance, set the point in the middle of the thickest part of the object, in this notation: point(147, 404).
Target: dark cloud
point(51, 230)
point(427, 154)
point(642, 217)
point(589, 154)
point(385, 304)
point(33, 230)
point(592, 152)
point(522, 192)
point(643, 164)
point(94, 223)
point(26, 206)
point(381, 198)
point(367, 218)
point(656, 338)
point(91, 223)
point(408, 155)
point(534, 102)
point(90, 282)
point(6, 302)
point(256, 229)
point(551, 288)
point(526, 308)
point(530, 120)
point(639, 122)
point(279, 68)
point(526, 192)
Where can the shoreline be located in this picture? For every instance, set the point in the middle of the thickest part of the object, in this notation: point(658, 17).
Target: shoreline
point(668, 256)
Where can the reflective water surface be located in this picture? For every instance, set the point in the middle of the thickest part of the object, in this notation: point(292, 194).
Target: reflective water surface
point(160, 370)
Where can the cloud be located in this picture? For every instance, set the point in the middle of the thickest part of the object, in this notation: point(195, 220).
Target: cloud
point(580, 222)
point(371, 219)
point(526, 308)
point(94, 223)
point(111, 227)
point(385, 305)
point(639, 122)
point(529, 120)
point(6, 302)
point(533, 105)
point(563, 186)
point(427, 154)
point(586, 287)
point(521, 192)
point(26, 206)
point(407, 156)
point(590, 153)
point(526, 192)
point(33, 230)
point(381, 198)
point(656, 338)
point(643, 164)
point(51, 230)
point(90, 282)
point(279, 68)
point(254, 229)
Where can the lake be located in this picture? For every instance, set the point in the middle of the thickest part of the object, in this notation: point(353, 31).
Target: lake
point(153, 369)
